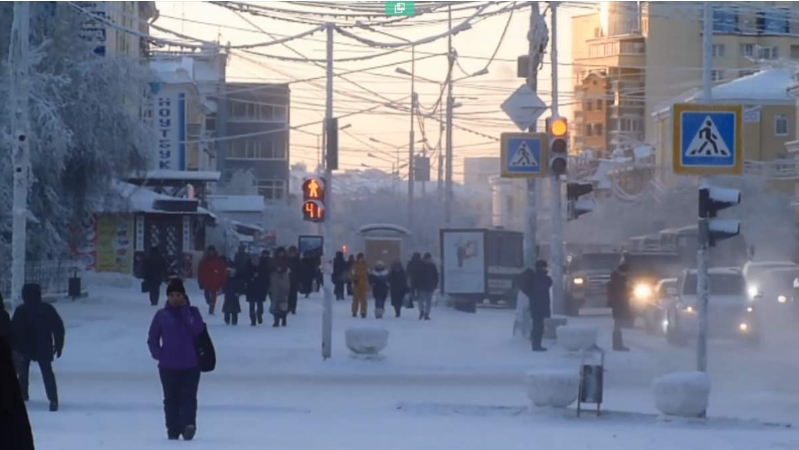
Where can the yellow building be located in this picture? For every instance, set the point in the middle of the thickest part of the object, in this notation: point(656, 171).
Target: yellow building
point(113, 41)
point(631, 57)
point(769, 122)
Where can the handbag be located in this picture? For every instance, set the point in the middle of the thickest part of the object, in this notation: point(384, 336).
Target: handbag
point(206, 354)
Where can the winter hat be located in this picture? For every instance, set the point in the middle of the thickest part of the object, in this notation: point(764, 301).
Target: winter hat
point(31, 292)
point(175, 285)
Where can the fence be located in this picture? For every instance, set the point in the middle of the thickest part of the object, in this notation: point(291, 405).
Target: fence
point(52, 276)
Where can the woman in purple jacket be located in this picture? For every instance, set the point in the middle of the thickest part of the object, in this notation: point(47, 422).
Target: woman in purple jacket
point(171, 341)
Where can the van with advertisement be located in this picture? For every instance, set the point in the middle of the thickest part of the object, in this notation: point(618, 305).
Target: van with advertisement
point(479, 264)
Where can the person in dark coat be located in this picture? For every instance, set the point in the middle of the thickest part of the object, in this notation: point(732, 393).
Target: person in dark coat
point(293, 264)
point(339, 275)
point(254, 293)
point(307, 275)
point(279, 287)
point(171, 341)
point(348, 270)
point(155, 272)
point(5, 322)
point(398, 287)
point(232, 290)
point(412, 269)
point(15, 427)
point(619, 303)
point(426, 282)
point(262, 280)
point(536, 286)
point(38, 336)
point(378, 280)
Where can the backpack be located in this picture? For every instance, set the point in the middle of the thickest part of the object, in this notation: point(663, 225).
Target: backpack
point(206, 354)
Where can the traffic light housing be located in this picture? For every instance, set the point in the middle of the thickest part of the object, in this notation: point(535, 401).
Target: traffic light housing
point(711, 201)
point(313, 195)
point(576, 206)
point(558, 131)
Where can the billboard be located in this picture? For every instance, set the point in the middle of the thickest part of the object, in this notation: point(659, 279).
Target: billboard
point(114, 243)
point(169, 121)
point(311, 245)
point(463, 262)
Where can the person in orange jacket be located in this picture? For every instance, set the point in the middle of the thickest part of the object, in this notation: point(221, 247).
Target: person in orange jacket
point(360, 281)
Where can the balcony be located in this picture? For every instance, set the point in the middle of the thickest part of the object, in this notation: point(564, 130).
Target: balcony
point(616, 53)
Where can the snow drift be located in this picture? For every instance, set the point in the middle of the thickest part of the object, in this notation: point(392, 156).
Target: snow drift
point(366, 341)
point(682, 394)
point(577, 337)
point(556, 388)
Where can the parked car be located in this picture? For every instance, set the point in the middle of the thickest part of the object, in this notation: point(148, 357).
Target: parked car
point(732, 312)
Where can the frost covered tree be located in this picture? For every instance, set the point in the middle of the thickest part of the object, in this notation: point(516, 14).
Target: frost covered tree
point(86, 126)
point(241, 182)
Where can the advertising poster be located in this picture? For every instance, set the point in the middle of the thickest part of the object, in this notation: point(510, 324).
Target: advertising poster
point(312, 245)
point(463, 262)
point(114, 243)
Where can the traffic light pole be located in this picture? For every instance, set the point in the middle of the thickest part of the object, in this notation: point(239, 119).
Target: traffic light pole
point(556, 207)
point(703, 243)
point(327, 249)
point(533, 61)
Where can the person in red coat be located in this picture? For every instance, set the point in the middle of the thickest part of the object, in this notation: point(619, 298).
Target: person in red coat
point(212, 276)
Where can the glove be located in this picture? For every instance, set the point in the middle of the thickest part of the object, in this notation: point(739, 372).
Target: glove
point(57, 352)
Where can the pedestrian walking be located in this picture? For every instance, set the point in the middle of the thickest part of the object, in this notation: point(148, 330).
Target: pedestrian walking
point(426, 282)
point(211, 276)
point(378, 279)
point(279, 287)
point(232, 290)
point(154, 273)
point(618, 292)
point(339, 275)
point(412, 269)
point(16, 428)
point(536, 285)
point(258, 289)
point(172, 342)
point(38, 336)
point(398, 287)
point(360, 282)
point(307, 275)
point(295, 277)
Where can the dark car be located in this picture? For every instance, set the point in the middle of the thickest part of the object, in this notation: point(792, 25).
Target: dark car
point(585, 280)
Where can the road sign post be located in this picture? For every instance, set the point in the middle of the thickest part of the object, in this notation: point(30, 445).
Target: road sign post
point(524, 155)
point(524, 107)
point(707, 139)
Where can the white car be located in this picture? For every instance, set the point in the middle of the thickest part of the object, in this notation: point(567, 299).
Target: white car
point(758, 276)
point(731, 310)
point(654, 313)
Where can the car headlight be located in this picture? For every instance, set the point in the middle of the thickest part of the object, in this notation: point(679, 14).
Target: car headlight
point(753, 291)
point(743, 327)
point(642, 291)
point(749, 309)
point(782, 299)
point(689, 309)
point(578, 281)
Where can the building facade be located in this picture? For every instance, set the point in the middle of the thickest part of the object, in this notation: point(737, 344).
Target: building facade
point(650, 52)
point(255, 120)
point(115, 42)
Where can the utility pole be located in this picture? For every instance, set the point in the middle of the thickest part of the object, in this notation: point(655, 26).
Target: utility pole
point(556, 208)
point(327, 249)
point(440, 177)
point(412, 138)
point(533, 62)
point(450, 104)
point(19, 97)
point(701, 256)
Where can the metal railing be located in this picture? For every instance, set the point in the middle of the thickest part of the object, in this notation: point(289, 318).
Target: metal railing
point(52, 276)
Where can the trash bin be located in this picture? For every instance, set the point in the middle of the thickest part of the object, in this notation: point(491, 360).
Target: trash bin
point(73, 290)
point(592, 377)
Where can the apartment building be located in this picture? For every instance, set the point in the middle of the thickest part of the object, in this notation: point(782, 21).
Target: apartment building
point(631, 57)
point(255, 118)
point(112, 41)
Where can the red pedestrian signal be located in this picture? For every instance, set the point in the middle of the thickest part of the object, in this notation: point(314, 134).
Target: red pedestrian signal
point(313, 211)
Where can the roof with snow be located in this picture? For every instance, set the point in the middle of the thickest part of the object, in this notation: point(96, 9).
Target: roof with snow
point(176, 175)
point(235, 203)
point(768, 86)
point(131, 198)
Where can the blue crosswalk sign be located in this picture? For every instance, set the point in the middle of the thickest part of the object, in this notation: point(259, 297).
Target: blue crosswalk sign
point(707, 139)
point(523, 154)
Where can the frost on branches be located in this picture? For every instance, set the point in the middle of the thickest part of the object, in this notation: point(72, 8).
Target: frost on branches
point(85, 126)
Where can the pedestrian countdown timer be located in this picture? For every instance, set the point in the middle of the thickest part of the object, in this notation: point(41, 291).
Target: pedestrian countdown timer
point(313, 193)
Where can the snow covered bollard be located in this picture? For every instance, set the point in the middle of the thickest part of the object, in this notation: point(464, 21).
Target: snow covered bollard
point(551, 325)
point(577, 337)
point(555, 388)
point(366, 342)
point(683, 394)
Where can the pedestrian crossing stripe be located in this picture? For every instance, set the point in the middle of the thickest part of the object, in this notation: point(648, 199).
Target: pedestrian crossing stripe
point(708, 142)
point(523, 157)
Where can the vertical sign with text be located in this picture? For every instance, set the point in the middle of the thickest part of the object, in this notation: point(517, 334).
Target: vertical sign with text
point(169, 121)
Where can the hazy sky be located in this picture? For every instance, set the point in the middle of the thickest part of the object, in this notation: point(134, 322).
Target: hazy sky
point(481, 97)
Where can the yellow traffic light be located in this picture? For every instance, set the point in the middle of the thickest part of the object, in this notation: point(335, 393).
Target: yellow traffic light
point(558, 127)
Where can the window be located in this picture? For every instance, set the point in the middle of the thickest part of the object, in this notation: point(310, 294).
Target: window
point(718, 50)
point(598, 129)
point(210, 124)
point(725, 20)
point(773, 21)
point(589, 130)
point(258, 150)
point(272, 189)
point(780, 125)
point(748, 50)
point(589, 106)
point(599, 105)
point(716, 75)
point(768, 53)
point(794, 51)
point(257, 111)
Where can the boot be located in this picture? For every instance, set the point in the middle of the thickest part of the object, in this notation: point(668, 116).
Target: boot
point(252, 320)
point(188, 433)
point(283, 321)
point(260, 318)
point(227, 319)
point(210, 310)
point(618, 343)
point(354, 314)
point(421, 314)
point(54, 405)
point(276, 323)
point(235, 319)
point(427, 317)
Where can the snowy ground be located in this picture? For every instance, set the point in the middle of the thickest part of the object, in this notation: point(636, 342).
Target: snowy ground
point(452, 383)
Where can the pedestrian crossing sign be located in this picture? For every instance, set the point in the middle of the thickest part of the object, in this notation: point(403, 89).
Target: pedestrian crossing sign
point(524, 155)
point(707, 139)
